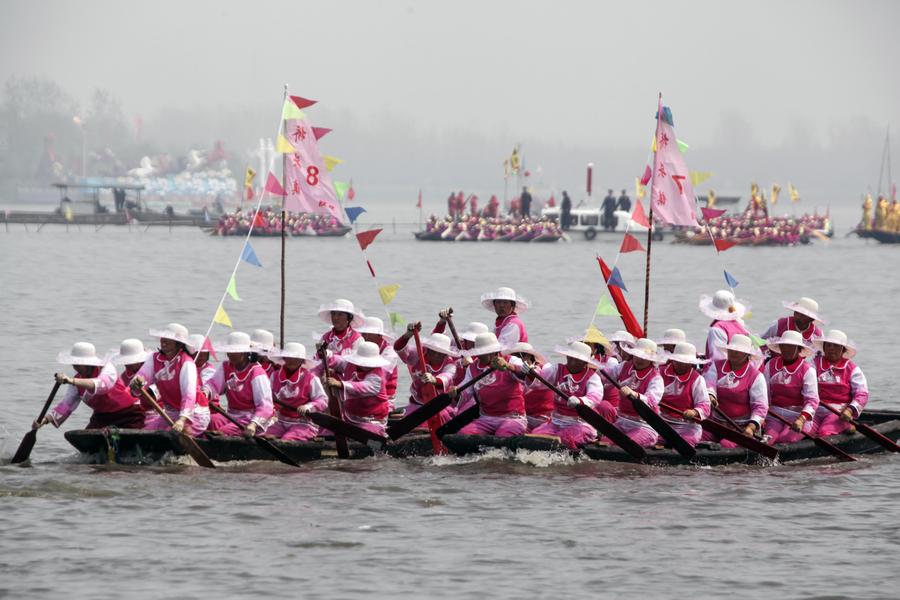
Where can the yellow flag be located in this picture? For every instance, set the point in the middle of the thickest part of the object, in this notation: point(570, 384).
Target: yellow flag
point(698, 177)
point(291, 111)
point(639, 190)
point(595, 336)
point(331, 161)
point(776, 189)
point(283, 146)
point(653, 145)
point(795, 195)
point(222, 317)
point(387, 292)
point(248, 177)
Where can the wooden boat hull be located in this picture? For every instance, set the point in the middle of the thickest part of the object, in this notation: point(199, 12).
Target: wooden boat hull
point(885, 237)
point(138, 446)
point(886, 422)
point(338, 232)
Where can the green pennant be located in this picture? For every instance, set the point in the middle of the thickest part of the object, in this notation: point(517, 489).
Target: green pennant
point(232, 288)
point(758, 341)
point(605, 308)
point(340, 188)
point(397, 320)
point(683, 146)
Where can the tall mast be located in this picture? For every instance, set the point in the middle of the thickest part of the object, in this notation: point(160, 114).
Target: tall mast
point(283, 201)
point(650, 227)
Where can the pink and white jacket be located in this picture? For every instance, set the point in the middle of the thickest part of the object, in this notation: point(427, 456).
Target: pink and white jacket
point(792, 387)
point(842, 383)
point(720, 333)
point(586, 386)
point(684, 392)
point(783, 324)
point(445, 373)
point(365, 394)
point(499, 394)
point(300, 388)
point(344, 343)
point(742, 394)
point(248, 391)
point(510, 330)
point(647, 384)
point(108, 396)
point(176, 382)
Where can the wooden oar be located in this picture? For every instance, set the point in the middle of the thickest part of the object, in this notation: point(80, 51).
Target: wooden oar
point(453, 331)
point(433, 407)
point(655, 421)
point(334, 406)
point(30, 438)
point(723, 431)
point(188, 444)
point(261, 442)
point(459, 421)
point(824, 445)
point(596, 420)
point(867, 431)
point(428, 393)
point(347, 429)
point(757, 435)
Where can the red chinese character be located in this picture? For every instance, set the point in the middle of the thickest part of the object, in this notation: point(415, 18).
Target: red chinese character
point(295, 188)
point(299, 133)
point(295, 158)
point(662, 170)
point(663, 140)
point(661, 197)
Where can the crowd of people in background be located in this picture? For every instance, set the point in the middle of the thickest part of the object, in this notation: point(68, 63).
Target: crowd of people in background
point(886, 215)
point(502, 229)
point(268, 222)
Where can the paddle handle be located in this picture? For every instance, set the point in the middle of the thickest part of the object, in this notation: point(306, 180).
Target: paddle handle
point(159, 409)
point(867, 431)
point(225, 414)
point(676, 411)
point(334, 406)
point(428, 393)
point(453, 331)
point(48, 402)
point(836, 411)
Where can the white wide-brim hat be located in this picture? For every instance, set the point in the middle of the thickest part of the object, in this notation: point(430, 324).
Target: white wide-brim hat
point(805, 306)
point(439, 343)
point(672, 336)
point(485, 343)
point(577, 350)
point(237, 342)
point(82, 353)
point(742, 343)
point(684, 352)
point(622, 337)
point(722, 306)
point(504, 293)
point(374, 326)
point(646, 349)
point(262, 340)
point(367, 356)
point(794, 338)
point(526, 348)
point(195, 343)
point(341, 305)
point(472, 330)
point(291, 350)
point(172, 331)
point(131, 352)
point(836, 336)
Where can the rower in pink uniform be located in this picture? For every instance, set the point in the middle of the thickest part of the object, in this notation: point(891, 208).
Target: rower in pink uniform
point(343, 317)
point(174, 373)
point(804, 318)
point(96, 384)
point(372, 330)
point(726, 313)
point(363, 387)
point(583, 386)
point(199, 350)
point(793, 390)
point(263, 343)
point(296, 392)
point(685, 391)
point(842, 383)
point(245, 387)
point(507, 305)
point(539, 399)
point(638, 377)
point(500, 395)
point(440, 368)
point(739, 388)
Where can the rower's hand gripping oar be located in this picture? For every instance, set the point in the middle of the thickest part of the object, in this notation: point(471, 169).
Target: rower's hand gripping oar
point(723, 431)
point(596, 420)
point(188, 444)
point(334, 405)
point(655, 421)
point(465, 417)
point(261, 442)
point(347, 429)
point(870, 432)
point(821, 443)
point(28, 440)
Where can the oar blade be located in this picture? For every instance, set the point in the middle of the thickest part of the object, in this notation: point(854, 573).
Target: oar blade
point(877, 436)
point(25, 447)
point(345, 429)
point(189, 445)
point(593, 418)
point(431, 408)
point(661, 427)
point(831, 449)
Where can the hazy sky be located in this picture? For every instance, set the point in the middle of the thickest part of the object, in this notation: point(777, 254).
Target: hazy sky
point(580, 74)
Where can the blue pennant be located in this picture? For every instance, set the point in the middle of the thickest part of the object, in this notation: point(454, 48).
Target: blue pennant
point(248, 255)
point(615, 278)
point(353, 212)
point(731, 281)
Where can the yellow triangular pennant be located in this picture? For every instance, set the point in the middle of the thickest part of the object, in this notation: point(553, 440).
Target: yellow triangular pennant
point(291, 111)
point(653, 145)
point(387, 292)
point(222, 317)
point(698, 177)
point(283, 146)
point(331, 161)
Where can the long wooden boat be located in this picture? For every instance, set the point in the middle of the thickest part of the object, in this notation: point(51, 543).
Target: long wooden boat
point(885, 237)
point(139, 446)
point(708, 454)
point(242, 231)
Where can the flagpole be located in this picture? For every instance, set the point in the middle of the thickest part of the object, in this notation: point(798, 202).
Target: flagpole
point(283, 201)
point(420, 209)
point(650, 224)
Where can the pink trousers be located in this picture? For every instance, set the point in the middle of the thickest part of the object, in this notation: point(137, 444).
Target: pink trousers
point(535, 421)
point(293, 430)
point(196, 425)
point(691, 432)
point(827, 423)
point(572, 435)
point(779, 433)
point(443, 416)
point(499, 426)
point(709, 437)
point(638, 431)
point(219, 423)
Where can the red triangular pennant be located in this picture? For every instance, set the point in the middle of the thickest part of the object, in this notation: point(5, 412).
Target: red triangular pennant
point(351, 193)
point(367, 237)
point(712, 213)
point(723, 245)
point(320, 132)
point(645, 178)
point(638, 215)
point(302, 102)
point(207, 345)
point(273, 186)
point(259, 220)
point(631, 244)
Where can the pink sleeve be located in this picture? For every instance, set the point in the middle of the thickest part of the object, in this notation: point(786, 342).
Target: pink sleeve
point(700, 396)
point(654, 392)
point(262, 399)
point(447, 376)
point(318, 399)
point(187, 380)
point(369, 386)
point(105, 381)
point(859, 388)
point(810, 393)
point(711, 377)
point(216, 382)
point(66, 406)
point(759, 400)
point(146, 371)
point(594, 393)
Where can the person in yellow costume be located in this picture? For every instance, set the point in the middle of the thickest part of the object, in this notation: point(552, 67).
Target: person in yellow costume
point(867, 213)
point(881, 213)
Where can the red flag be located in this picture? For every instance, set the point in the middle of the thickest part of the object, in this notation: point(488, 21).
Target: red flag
point(631, 244)
point(207, 345)
point(320, 132)
point(712, 213)
point(645, 178)
point(723, 245)
point(259, 220)
point(638, 215)
point(628, 318)
point(351, 193)
point(302, 102)
point(273, 186)
point(419, 203)
point(367, 237)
